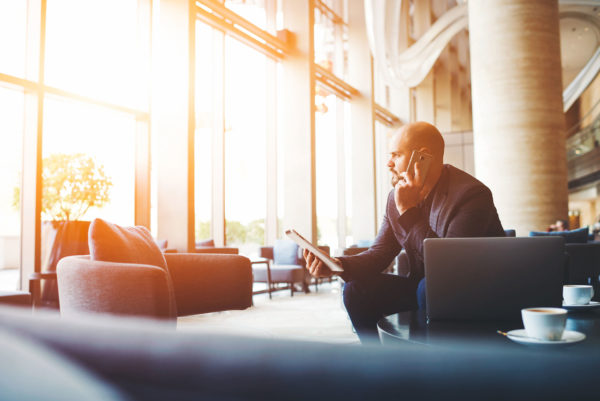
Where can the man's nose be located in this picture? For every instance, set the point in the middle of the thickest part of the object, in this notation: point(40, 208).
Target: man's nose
point(391, 162)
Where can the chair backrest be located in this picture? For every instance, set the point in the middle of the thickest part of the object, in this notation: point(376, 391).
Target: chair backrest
point(578, 236)
point(584, 265)
point(285, 252)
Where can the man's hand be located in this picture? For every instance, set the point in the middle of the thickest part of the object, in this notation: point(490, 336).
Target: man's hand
point(316, 267)
point(409, 191)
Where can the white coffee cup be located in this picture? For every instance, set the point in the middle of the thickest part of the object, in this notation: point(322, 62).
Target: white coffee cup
point(577, 294)
point(544, 323)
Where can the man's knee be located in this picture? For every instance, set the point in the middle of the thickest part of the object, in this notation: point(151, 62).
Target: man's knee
point(351, 293)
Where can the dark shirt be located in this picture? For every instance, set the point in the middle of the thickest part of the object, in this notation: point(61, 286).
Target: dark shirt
point(458, 206)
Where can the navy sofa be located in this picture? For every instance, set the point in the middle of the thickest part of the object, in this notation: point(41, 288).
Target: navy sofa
point(113, 358)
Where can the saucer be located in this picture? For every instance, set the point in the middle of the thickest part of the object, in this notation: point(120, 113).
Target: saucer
point(568, 337)
point(591, 305)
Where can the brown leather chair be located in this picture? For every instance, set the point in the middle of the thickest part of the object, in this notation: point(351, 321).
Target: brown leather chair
point(191, 284)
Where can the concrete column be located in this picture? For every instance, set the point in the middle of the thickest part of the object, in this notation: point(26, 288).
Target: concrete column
point(360, 75)
point(172, 123)
point(443, 93)
point(425, 92)
point(298, 125)
point(517, 109)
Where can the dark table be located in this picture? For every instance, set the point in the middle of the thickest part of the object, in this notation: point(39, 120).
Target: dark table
point(412, 328)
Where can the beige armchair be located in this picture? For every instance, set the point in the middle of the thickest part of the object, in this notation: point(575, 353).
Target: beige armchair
point(191, 284)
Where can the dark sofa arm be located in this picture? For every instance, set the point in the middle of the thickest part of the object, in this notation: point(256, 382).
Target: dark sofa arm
point(210, 282)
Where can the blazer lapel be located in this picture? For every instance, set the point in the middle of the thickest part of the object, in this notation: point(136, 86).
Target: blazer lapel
point(439, 198)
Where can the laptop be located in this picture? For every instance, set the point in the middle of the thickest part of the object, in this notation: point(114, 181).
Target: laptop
point(492, 278)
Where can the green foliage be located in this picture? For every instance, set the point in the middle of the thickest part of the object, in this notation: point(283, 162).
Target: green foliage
point(202, 230)
point(71, 185)
point(238, 233)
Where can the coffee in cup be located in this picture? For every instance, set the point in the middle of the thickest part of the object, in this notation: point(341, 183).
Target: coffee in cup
point(544, 323)
point(577, 294)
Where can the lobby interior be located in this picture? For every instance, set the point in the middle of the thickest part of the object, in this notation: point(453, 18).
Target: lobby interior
point(219, 124)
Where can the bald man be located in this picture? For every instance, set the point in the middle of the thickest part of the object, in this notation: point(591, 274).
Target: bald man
point(442, 202)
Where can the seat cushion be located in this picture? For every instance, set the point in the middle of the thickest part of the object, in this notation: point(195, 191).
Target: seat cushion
point(285, 252)
point(112, 243)
point(279, 273)
point(578, 236)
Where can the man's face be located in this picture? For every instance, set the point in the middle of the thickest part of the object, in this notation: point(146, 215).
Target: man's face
point(399, 156)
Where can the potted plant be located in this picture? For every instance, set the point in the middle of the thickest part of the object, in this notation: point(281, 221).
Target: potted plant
point(71, 185)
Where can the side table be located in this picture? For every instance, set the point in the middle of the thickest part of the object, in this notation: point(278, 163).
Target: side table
point(267, 262)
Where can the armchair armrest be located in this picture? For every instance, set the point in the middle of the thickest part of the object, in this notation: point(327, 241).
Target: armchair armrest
point(210, 282)
point(216, 249)
point(266, 252)
point(122, 288)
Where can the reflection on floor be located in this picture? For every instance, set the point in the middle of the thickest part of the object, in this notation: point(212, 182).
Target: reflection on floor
point(317, 316)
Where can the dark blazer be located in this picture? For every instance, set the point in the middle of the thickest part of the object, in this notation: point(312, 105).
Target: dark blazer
point(461, 206)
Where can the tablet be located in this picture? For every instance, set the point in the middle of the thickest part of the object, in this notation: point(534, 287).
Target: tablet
point(305, 244)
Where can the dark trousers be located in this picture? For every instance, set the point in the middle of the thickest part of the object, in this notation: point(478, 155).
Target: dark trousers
point(368, 300)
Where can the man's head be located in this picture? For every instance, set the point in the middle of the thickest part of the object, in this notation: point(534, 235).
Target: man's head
point(419, 136)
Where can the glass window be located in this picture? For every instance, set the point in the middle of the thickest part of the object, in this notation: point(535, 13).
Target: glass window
point(331, 40)
point(245, 146)
point(206, 125)
point(251, 10)
point(333, 165)
point(11, 125)
point(88, 163)
point(383, 177)
point(97, 51)
point(13, 36)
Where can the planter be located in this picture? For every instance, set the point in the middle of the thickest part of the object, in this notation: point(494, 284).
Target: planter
point(60, 239)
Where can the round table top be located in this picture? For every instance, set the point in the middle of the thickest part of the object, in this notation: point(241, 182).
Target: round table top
point(412, 328)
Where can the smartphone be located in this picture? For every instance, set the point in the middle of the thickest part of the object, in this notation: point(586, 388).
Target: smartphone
point(424, 160)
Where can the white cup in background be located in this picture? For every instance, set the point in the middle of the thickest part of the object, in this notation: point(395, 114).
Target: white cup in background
point(544, 323)
point(577, 294)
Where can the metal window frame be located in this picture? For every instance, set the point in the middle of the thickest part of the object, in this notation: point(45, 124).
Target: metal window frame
point(31, 237)
point(220, 17)
point(386, 117)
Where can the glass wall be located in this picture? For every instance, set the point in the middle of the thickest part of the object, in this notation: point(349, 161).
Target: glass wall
point(331, 36)
point(246, 116)
point(13, 37)
point(207, 124)
point(95, 102)
point(11, 139)
point(251, 10)
point(234, 112)
point(84, 57)
point(88, 162)
point(383, 177)
point(333, 147)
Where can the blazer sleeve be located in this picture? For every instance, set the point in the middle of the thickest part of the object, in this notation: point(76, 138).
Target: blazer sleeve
point(375, 259)
point(471, 217)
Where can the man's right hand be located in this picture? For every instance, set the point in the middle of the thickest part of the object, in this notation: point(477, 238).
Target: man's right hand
point(316, 267)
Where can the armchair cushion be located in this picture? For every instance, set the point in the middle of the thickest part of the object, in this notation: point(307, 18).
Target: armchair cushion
point(285, 252)
point(112, 243)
